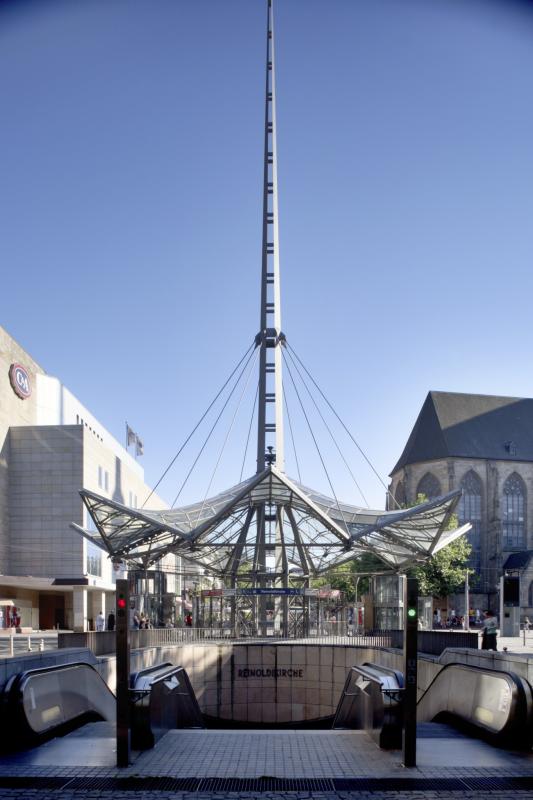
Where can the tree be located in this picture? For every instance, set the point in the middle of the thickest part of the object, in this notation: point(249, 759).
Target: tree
point(345, 577)
point(444, 573)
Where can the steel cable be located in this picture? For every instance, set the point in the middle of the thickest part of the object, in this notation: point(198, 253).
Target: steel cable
point(189, 437)
point(213, 426)
point(376, 473)
point(329, 431)
point(316, 443)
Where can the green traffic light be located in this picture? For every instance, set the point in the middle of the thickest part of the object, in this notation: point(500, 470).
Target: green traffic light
point(411, 612)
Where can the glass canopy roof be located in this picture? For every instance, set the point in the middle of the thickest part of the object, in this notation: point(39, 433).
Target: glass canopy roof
point(305, 532)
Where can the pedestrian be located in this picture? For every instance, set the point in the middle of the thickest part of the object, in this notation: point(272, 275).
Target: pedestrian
point(100, 621)
point(111, 621)
point(490, 628)
point(527, 623)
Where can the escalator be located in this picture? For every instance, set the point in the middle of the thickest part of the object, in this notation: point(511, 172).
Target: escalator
point(40, 704)
point(489, 704)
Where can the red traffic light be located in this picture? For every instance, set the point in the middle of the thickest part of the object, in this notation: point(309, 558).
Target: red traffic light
point(121, 602)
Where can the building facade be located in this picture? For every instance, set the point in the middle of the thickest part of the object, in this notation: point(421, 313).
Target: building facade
point(51, 447)
point(483, 445)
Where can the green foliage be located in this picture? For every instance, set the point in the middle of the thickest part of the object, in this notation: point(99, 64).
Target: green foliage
point(345, 577)
point(444, 573)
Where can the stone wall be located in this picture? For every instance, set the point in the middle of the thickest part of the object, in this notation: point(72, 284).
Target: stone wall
point(493, 474)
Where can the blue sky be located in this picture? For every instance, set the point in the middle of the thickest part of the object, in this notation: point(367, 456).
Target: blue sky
point(130, 209)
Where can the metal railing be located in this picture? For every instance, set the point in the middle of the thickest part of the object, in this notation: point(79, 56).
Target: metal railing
point(103, 642)
point(21, 643)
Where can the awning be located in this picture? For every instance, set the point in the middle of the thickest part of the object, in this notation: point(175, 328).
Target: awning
point(8, 603)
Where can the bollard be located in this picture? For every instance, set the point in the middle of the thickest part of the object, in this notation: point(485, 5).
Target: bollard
point(41, 645)
point(29, 644)
point(11, 643)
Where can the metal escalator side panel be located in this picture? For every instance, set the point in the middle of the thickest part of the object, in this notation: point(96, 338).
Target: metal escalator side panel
point(498, 704)
point(194, 714)
point(346, 715)
point(147, 674)
point(166, 701)
point(43, 700)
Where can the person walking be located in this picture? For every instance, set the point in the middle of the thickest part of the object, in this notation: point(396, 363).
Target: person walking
point(490, 628)
point(111, 621)
point(100, 621)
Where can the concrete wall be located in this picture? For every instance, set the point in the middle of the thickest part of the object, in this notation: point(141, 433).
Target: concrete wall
point(48, 658)
point(270, 683)
point(222, 694)
point(45, 477)
point(312, 690)
point(13, 411)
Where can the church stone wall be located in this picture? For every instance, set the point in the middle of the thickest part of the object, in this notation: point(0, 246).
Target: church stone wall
point(493, 474)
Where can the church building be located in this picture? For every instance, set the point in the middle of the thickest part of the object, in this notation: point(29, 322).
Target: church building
point(484, 445)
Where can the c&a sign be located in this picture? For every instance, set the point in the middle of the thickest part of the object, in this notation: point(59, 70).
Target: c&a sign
point(20, 381)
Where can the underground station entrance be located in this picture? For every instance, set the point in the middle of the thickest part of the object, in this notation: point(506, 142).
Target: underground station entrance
point(268, 714)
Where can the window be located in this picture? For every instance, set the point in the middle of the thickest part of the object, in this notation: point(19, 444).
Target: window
point(469, 510)
point(399, 494)
point(94, 560)
point(429, 486)
point(513, 513)
point(103, 479)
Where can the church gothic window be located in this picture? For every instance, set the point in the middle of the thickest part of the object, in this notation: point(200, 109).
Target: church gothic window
point(429, 486)
point(399, 494)
point(513, 513)
point(469, 510)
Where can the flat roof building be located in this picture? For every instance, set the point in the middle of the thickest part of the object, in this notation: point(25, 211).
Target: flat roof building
point(51, 447)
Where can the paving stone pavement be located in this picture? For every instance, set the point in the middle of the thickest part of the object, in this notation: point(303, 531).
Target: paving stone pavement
point(14, 794)
point(223, 754)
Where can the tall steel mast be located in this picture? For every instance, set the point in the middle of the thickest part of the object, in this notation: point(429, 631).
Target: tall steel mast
point(270, 337)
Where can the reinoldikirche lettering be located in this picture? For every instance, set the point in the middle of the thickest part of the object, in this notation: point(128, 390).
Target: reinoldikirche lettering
point(267, 672)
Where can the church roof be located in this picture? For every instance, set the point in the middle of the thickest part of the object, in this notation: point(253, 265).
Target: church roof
point(453, 424)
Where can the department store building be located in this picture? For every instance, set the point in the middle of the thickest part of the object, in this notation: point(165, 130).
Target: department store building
point(51, 446)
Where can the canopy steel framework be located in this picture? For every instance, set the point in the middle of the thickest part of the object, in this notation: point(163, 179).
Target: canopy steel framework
point(232, 534)
point(269, 530)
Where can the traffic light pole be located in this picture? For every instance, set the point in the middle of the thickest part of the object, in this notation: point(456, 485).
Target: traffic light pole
point(410, 670)
point(123, 673)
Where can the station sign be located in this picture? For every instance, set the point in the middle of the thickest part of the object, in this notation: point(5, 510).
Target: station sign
point(213, 592)
point(20, 381)
point(277, 592)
